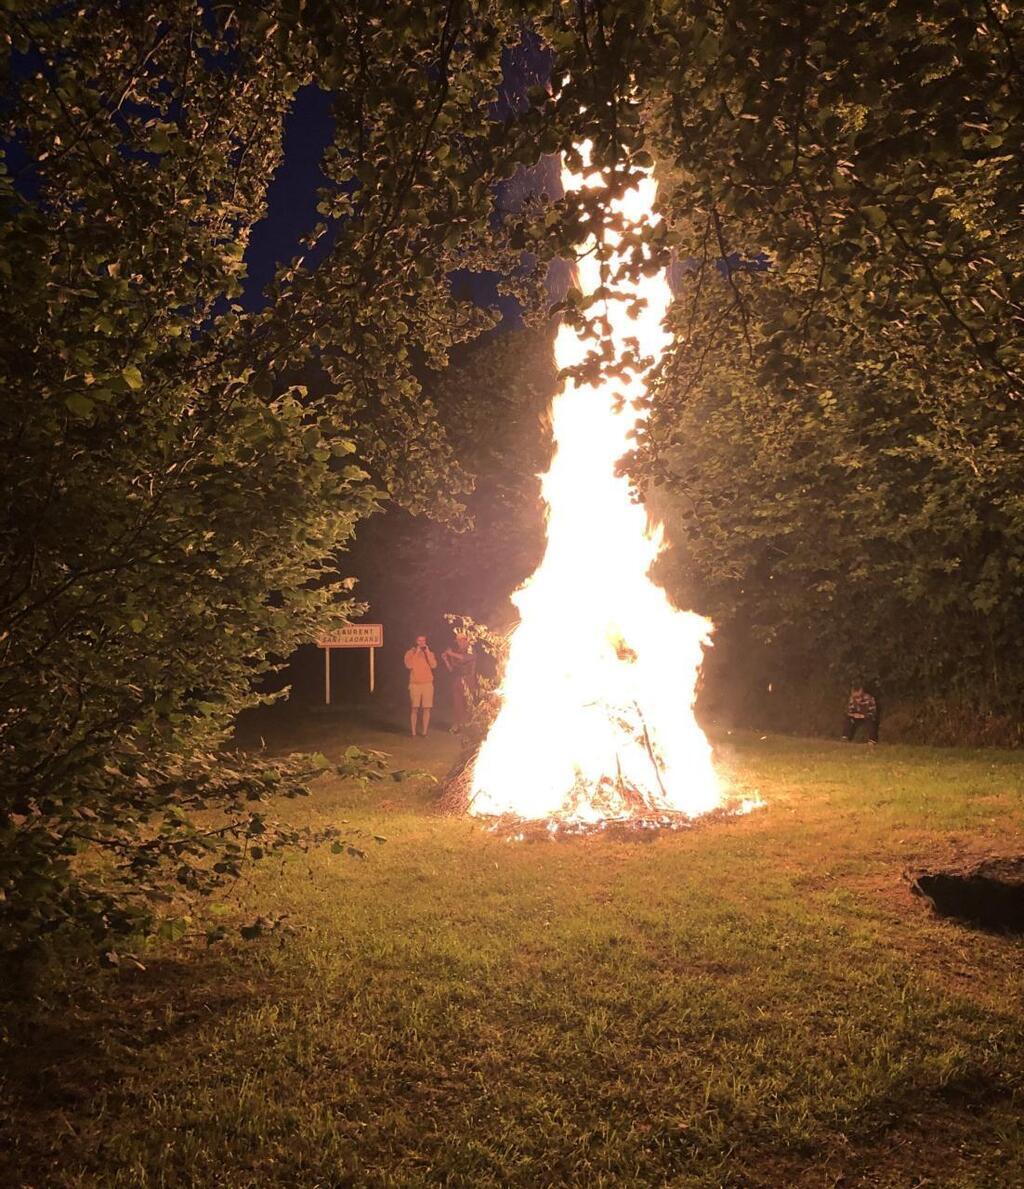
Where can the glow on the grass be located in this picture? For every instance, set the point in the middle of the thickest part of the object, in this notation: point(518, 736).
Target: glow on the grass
point(596, 720)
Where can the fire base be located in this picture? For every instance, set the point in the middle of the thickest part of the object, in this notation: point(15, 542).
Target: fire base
point(623, 829)
point(642, 824)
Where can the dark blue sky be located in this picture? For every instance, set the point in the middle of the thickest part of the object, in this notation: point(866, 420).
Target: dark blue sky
point(292, 195)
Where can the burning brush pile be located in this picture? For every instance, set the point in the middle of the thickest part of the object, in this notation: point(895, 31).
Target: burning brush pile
point(596, 723)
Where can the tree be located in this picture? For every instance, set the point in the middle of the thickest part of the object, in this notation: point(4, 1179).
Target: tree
point(838, 432)
point(177, 502)
point(841, 430)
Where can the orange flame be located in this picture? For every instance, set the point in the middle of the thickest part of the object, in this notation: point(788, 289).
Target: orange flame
point(596, 721)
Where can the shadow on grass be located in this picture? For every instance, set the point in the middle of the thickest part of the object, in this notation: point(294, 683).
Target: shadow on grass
point(291, 726)
point(62, 1047)
point(69, 1054)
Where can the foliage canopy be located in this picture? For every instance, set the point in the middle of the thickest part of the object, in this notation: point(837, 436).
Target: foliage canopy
point(178, 497)
point(843, 429)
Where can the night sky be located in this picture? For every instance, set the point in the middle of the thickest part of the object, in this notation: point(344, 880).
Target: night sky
point(292, 195)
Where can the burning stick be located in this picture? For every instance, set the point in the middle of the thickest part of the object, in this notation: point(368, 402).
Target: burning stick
point(650, 751)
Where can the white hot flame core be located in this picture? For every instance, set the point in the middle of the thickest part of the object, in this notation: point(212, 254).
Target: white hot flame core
point(596, 720)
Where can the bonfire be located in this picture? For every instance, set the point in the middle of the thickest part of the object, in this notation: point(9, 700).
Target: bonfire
point(596, 722)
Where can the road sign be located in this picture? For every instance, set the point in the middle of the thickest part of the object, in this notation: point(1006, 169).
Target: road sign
point(352, 635)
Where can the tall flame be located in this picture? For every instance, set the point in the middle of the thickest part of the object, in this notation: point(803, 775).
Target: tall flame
point(596, 720)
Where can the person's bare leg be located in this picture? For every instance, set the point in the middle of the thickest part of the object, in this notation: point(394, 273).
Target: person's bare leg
point(412, 720)
point(426, 719)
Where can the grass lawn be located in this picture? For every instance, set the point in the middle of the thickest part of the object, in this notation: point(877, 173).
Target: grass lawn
point(758, 1002)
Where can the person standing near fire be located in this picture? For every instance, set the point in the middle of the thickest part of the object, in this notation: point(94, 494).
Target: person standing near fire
point(861, 710)
point(421, 663)
point(461, 663)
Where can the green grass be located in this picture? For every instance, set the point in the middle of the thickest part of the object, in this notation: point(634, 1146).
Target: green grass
point(758, 1002)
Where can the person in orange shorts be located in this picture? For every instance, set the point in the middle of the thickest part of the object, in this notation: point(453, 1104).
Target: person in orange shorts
point(421, 663)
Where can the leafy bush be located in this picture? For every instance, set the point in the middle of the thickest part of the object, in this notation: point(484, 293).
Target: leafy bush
point(182, 471)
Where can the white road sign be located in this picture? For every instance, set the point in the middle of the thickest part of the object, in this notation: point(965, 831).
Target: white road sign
point(352, 635)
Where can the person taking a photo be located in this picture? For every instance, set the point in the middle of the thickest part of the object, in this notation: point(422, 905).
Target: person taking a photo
point(421, 663)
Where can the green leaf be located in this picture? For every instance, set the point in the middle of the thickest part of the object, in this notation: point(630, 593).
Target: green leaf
point(173, 928)
point(158, 142)
point(132, 377)
point(80, 404)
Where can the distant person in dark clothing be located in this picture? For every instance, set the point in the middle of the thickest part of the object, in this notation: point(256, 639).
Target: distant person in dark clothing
point(862, 710)
point(461, 663)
